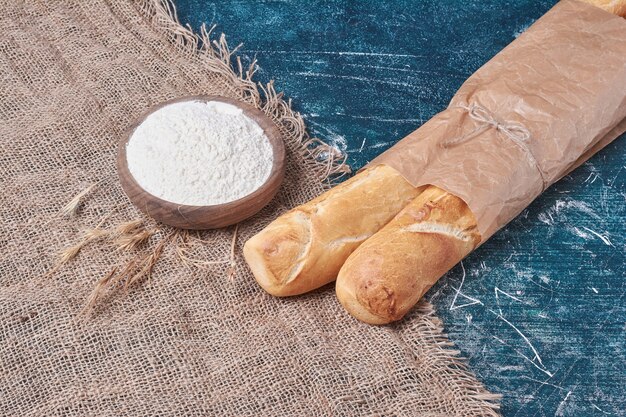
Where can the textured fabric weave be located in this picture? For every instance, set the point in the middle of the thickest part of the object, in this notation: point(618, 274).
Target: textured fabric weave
point(195, 337)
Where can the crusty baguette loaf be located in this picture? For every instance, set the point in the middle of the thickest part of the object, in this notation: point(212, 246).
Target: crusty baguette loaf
point(386, 276)
point(617, 7)
point(304, 248)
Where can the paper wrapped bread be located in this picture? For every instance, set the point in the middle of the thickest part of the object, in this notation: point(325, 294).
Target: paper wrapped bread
point(516, 126)
point(537, 110)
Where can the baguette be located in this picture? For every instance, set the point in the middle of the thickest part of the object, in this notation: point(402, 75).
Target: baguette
point(617, 7)
point(304, 248)
point(386, 276)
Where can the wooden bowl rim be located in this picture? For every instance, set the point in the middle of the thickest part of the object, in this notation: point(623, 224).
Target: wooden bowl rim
point(269, 128)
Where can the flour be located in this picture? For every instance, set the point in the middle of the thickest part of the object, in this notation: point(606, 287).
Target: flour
point(199, 153)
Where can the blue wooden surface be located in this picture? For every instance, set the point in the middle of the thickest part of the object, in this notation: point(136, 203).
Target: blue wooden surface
point(539, 310)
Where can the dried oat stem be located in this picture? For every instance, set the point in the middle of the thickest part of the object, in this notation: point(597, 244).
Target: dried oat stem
point(95, 293)
point(70, 253)
point(128, 227)
point(88, 237)
point(71, 208)
point(133, 239)
point(138, 267)
point(148, 262)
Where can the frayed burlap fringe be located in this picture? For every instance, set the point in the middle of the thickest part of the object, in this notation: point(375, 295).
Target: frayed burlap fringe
point(455, 365)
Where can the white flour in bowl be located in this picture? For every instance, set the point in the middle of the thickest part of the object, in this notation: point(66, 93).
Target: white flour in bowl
point(199, 153)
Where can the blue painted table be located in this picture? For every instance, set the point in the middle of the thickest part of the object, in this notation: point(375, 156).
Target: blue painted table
point(539, 310)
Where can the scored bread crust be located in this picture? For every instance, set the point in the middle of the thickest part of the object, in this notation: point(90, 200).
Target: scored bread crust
point(386, 276)
point(304, 248)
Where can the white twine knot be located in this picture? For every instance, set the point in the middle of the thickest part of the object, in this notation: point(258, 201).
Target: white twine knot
point(516, 132)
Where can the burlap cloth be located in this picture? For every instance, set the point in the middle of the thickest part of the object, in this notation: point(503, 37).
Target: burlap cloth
point(197, 336)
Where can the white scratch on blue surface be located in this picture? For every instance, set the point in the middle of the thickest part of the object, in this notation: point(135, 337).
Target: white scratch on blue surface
point(591, 174)
point(540, 364)
point(556, 211)
point(516, 368)
point(380, 145)
point(521, 30)
point(301, 60)
point(580, 233)
point(616, 175)
point(543, 382)
point(379, 119)
point(523, 356)
point(472, 300)
point(340, 53)
point(527, 342)
point(334, 139)
point(599, 409)
point(546, 218)
point(353, 77)
point(362, 145)
point(561, 407)
point(603, 238)
point(498, 290)
point(576, 205)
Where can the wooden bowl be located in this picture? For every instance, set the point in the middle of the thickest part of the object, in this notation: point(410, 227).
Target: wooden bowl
point(214, 216)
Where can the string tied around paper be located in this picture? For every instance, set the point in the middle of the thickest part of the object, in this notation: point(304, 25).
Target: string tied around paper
point(516, 132)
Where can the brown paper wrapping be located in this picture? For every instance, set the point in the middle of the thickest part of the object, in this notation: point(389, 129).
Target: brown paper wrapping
point(563, 80)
